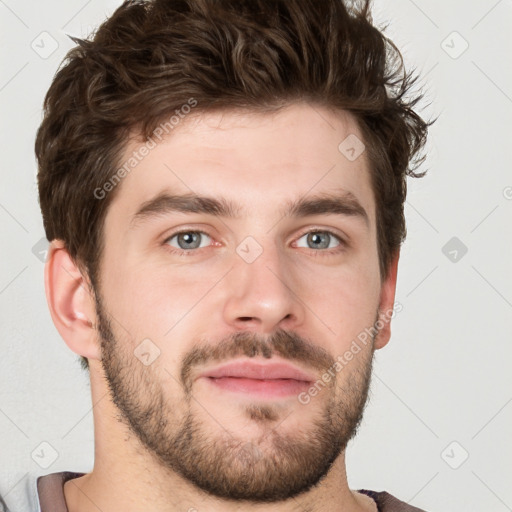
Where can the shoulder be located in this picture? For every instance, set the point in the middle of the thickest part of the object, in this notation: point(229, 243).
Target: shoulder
point(3, 505)
point(50, 490)
point(388, 503)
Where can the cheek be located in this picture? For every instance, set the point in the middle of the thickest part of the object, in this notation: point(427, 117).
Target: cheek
point(154, 302)
point(346, 300)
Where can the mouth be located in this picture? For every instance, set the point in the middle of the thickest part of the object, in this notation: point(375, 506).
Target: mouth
point(270, 380)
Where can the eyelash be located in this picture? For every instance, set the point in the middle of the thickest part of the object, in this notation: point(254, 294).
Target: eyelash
point(182, 252)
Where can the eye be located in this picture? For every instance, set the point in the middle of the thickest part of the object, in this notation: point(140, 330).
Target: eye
point(186, 240)
point(319, 240)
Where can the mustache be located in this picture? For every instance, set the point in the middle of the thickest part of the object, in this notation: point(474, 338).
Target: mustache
point(287, 344)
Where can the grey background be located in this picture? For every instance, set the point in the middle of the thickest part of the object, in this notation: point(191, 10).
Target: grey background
point(441, 390)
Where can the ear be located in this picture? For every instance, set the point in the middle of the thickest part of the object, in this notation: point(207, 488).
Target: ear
point(386, 304)
point(71, 302)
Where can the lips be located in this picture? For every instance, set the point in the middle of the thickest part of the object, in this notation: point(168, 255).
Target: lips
point(258, 371)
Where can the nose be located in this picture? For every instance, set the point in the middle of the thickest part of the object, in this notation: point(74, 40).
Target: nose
point(262, 295)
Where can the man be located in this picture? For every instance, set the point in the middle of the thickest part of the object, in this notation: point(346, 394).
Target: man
point(222, 183)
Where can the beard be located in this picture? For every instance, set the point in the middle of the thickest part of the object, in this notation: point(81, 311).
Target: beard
point(178, 434)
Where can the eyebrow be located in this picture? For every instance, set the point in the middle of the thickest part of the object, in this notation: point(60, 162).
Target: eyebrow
point(342, 203)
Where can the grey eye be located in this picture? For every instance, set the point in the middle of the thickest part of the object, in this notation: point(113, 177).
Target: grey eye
point(319, 240)
point(188, 240)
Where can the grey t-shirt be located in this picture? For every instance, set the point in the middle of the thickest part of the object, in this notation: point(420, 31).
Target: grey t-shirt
point(50, 489)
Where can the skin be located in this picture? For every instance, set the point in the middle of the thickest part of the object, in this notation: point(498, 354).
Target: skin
point(295, 302)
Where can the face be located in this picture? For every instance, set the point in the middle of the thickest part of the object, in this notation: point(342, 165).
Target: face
point(278, 264)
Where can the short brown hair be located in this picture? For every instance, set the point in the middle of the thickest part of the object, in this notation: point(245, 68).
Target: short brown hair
point(150, 57)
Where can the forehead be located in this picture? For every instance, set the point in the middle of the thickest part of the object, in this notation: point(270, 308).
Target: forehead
point(254, 159)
